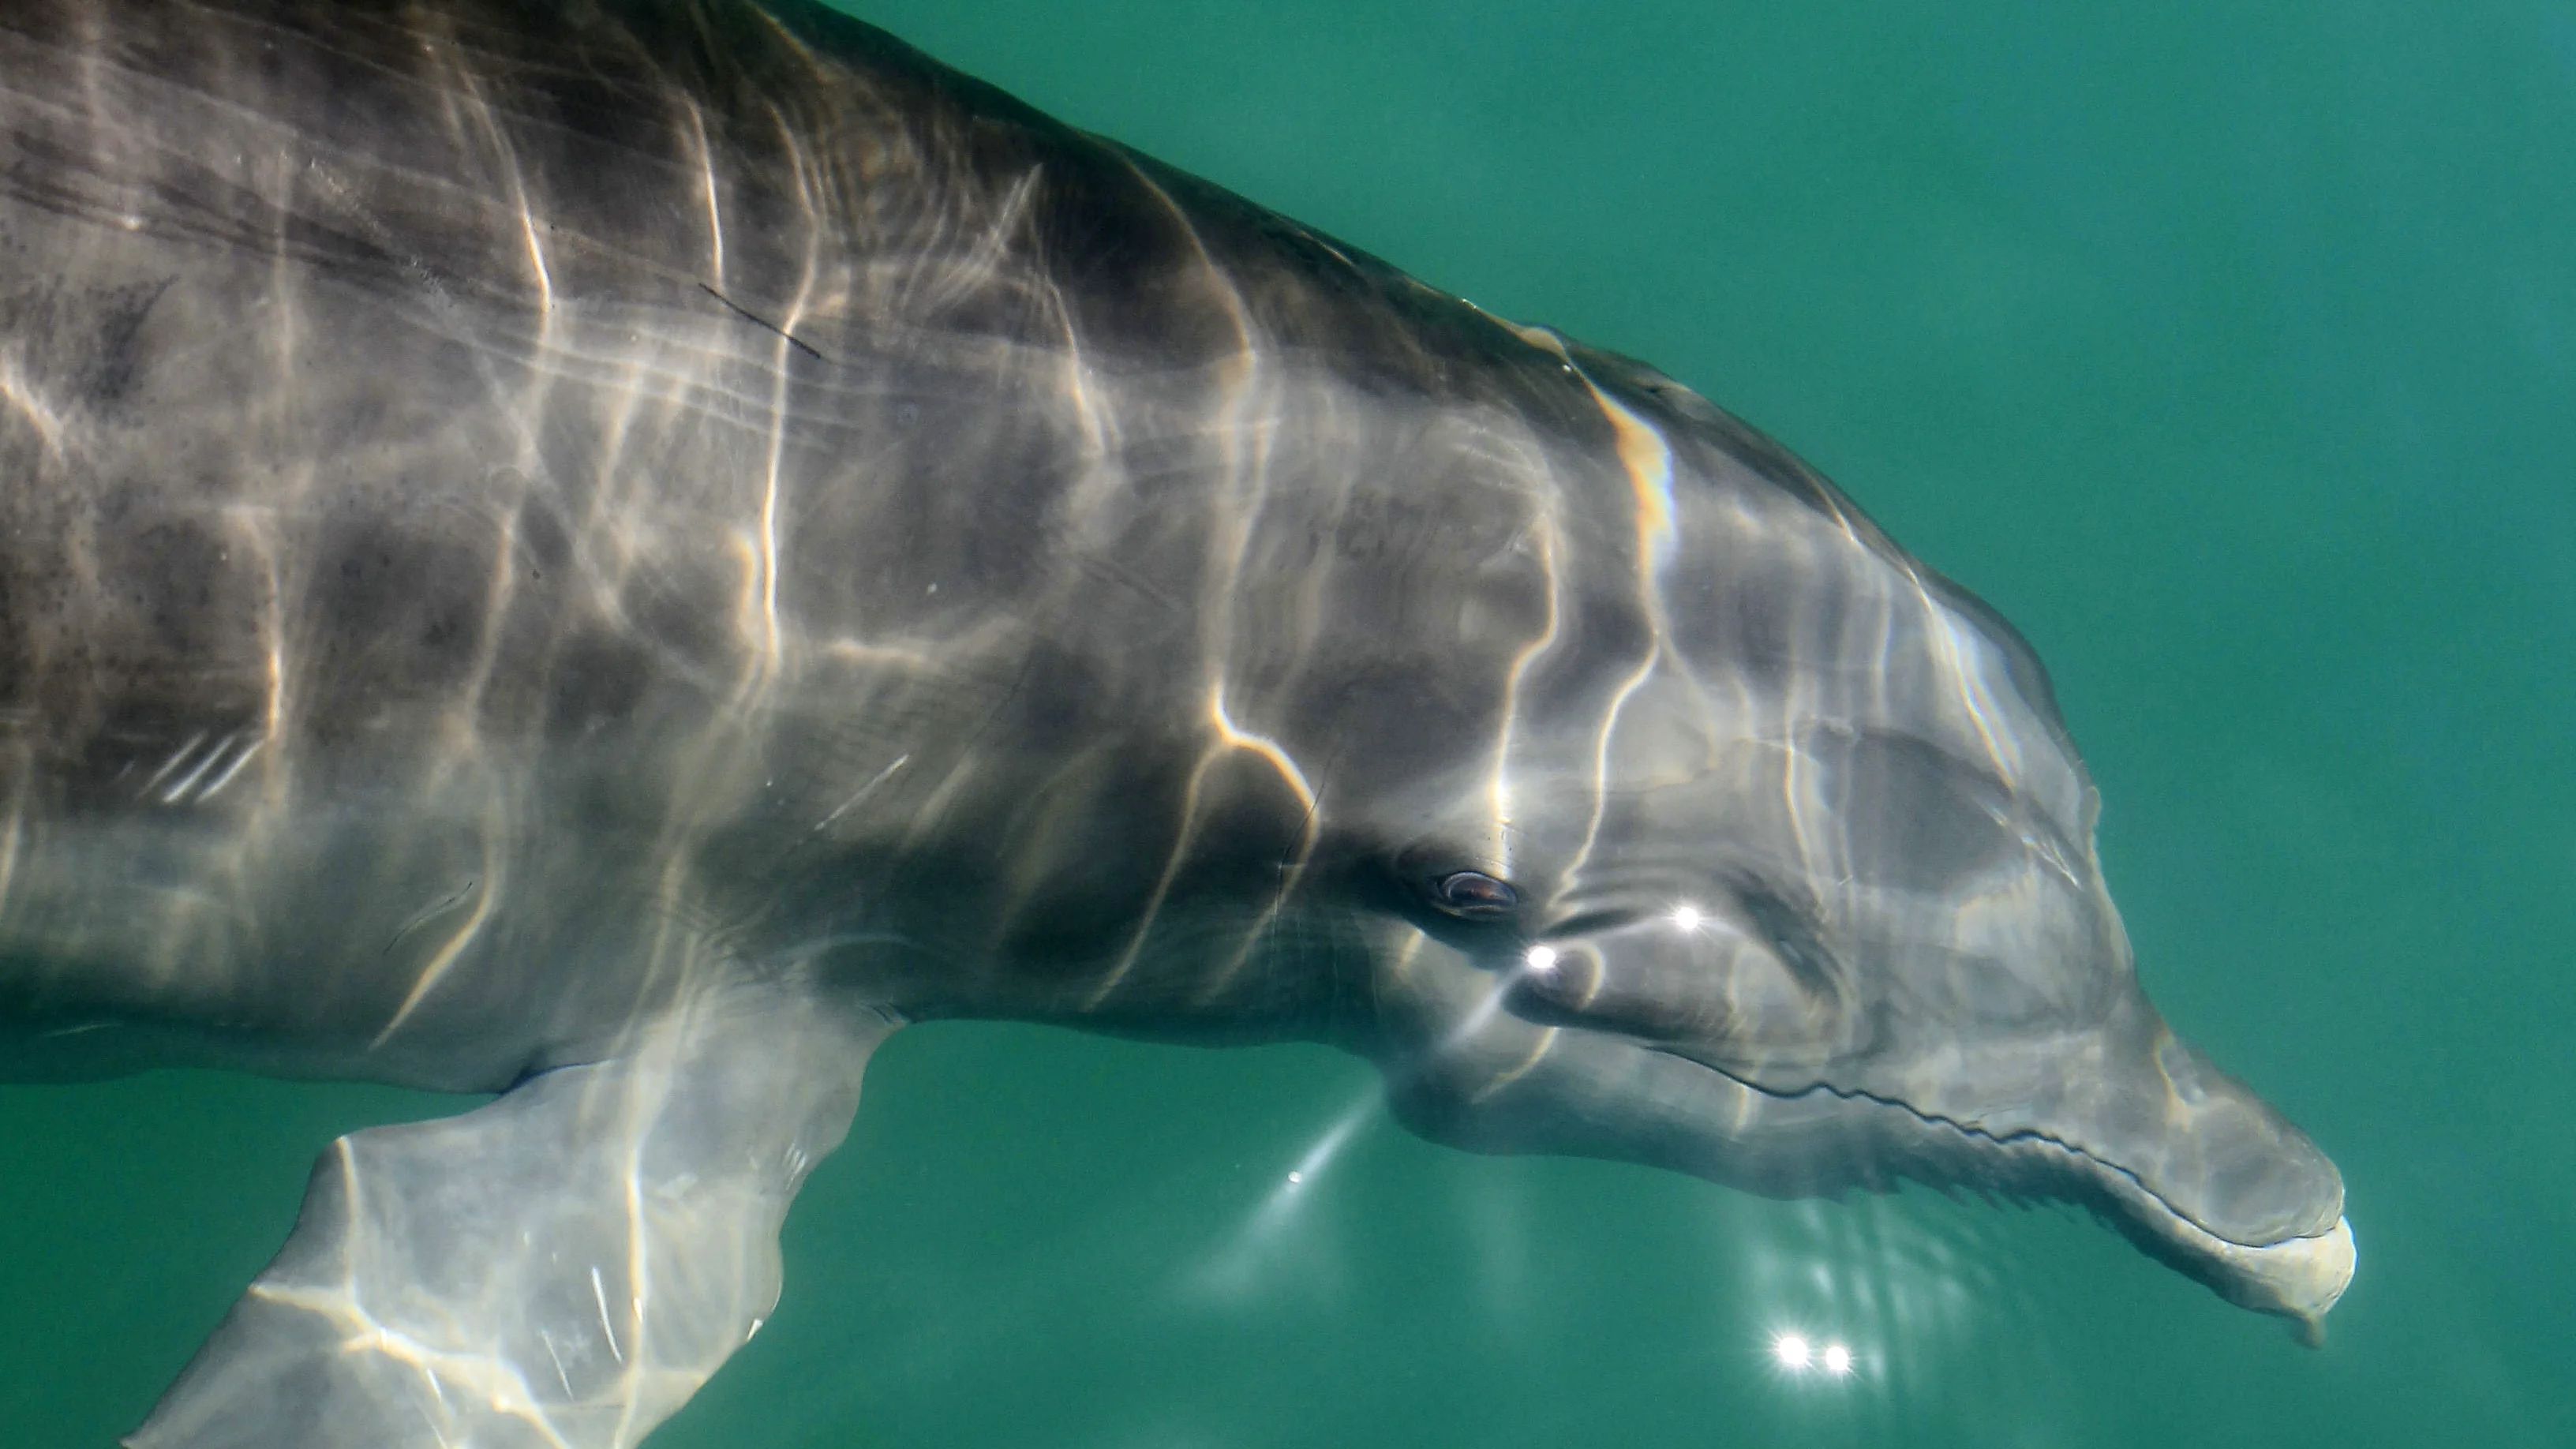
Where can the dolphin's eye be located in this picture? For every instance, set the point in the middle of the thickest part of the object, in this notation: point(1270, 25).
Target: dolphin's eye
point(1475, 895)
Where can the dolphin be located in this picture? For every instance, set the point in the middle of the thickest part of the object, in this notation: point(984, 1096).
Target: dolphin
point(616, 552)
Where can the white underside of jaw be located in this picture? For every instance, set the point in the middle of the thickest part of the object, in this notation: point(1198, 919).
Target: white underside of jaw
point(2300, 1277)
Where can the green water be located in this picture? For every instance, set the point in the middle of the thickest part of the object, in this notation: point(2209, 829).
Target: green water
point(2230, 349)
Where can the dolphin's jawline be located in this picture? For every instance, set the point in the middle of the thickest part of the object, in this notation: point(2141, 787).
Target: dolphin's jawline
point(2026, 1136)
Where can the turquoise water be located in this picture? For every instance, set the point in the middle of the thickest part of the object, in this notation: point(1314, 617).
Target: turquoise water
point(2229, 349)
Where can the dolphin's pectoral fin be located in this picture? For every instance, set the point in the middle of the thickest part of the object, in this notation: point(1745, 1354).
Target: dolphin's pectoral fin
point(562, 1267)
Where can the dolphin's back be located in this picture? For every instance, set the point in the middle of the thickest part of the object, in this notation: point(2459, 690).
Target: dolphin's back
point(617, 283)
point(452, 436)
point(441, 432)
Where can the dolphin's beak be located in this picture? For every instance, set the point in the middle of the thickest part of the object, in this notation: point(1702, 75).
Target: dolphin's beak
point(2211, 1178)
point(2296, 1278)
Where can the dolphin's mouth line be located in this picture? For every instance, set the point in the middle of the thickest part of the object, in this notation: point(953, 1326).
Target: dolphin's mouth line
point(2023, 1137)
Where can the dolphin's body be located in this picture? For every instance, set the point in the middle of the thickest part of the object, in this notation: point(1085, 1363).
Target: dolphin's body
point(616, 552)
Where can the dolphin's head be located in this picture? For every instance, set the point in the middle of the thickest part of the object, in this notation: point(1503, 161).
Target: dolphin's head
point(1773, 862)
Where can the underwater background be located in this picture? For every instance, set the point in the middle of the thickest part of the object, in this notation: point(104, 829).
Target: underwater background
point(2228, 348)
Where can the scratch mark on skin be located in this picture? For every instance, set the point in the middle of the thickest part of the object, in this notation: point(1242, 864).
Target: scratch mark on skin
point(448, 955)
point(639, 1267)
point(561, 1377)
point(599, 1295)
point(220, 781)
point(430, 913)
point(179, 789)
point(173, 762)
point(864, 792)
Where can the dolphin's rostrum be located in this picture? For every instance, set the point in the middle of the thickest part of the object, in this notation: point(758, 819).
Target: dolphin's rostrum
point(616, 551)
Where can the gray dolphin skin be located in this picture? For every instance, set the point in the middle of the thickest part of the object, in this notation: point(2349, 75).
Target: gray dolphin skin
point(614, 552)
